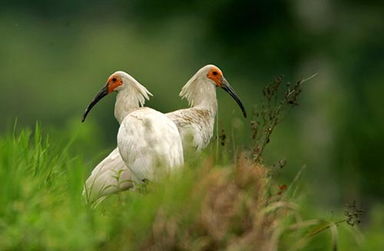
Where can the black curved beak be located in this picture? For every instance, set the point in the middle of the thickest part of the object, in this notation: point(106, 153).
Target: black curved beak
point(101, 94)
point(227, 87)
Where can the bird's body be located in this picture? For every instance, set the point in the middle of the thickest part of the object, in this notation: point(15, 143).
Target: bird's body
point(150, 144)
point(145, 136)
point(195, 124)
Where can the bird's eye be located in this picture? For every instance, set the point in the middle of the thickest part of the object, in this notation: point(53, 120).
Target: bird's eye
point(114, 79)
point(215, 73)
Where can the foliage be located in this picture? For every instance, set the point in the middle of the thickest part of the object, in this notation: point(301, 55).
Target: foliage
point(234, 203)
point(278, 99)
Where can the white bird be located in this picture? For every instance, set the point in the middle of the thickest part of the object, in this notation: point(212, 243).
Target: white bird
point(146, 139)
point(197, 122)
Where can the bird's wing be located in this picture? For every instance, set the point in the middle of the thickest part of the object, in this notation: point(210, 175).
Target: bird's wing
point(110, 176)
point(148, 139)
point(195, 126)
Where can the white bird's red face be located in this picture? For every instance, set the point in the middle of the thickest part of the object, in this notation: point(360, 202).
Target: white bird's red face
point(216, 75)
point(113, 82)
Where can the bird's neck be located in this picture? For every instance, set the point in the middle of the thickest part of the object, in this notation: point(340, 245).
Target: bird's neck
point(127, 101)
point(202, 94)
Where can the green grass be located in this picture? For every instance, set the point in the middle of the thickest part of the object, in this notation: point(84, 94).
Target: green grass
point(42, 206)
point(212, 204)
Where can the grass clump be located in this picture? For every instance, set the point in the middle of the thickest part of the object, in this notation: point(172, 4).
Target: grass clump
point(230, 203)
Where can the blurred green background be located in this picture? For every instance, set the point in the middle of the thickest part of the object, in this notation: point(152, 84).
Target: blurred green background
point(55, 55)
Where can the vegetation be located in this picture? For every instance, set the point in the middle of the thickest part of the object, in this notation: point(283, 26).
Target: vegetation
point(215, 202)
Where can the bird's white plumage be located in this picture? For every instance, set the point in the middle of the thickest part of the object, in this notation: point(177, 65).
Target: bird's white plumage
point(199, 90)
point(150, 144)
